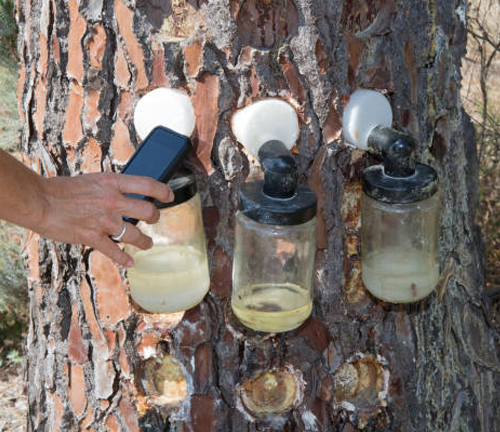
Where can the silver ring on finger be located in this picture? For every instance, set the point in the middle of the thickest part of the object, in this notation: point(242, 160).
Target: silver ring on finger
point(118, 238)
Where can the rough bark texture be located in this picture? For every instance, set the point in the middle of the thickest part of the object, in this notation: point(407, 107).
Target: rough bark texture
point(356, 364)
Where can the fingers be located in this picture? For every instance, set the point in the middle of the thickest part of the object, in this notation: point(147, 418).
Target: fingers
point(119, 204)
point(112, 251)
point(141, 210)
point(134, 236)
point(144, 186)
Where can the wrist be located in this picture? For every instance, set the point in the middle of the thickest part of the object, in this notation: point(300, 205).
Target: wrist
point(42, 191)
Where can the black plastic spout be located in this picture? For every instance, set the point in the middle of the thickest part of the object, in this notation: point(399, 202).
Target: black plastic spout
point(399, 179)
point(278, 199)
point(280, 170)
point(396, 148)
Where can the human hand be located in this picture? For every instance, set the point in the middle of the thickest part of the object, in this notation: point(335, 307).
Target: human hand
point(89, 208)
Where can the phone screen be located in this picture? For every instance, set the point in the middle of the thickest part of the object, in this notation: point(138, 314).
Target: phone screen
point(158, 156)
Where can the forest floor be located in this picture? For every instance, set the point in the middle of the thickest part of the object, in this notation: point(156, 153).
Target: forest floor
point(13, 403)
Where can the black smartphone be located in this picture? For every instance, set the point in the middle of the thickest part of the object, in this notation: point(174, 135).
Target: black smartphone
point(159, 156)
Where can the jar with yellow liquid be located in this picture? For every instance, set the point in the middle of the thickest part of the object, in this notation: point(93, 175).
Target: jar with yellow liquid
point(275, 246)
point(173, 275)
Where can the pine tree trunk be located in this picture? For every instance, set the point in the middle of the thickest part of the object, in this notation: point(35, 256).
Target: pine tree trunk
point(96, 364)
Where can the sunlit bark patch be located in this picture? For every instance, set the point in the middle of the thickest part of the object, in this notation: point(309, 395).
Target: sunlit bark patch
point(361, 385)
point(271, 393)
point(162, 381)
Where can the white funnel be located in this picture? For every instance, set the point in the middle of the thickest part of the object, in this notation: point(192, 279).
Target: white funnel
point(366, 110)
point(265, 120)
point(164, 107)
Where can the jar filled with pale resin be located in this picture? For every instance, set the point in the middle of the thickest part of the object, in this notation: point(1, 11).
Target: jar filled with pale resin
point(173, 275)
point(400, 248)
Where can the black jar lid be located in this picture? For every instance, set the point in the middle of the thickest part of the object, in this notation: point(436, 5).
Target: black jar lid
point(265, 209)
point(278, 199)
point(420, 185)
point(183, 185)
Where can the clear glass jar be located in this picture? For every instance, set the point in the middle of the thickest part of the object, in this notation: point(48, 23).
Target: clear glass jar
point(400, 248)
point(173, 275)
point(273, 274)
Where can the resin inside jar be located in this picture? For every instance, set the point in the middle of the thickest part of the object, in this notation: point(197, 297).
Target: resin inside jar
point(400, 247)
point(400, 275)
point(272, 307)
point(272, 274)
point(168, 279)
point(173, 275)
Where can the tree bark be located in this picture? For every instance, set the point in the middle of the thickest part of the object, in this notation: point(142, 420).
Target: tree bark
point(95, 363)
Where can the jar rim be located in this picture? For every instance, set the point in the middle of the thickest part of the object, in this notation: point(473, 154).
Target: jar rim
point(183, 185)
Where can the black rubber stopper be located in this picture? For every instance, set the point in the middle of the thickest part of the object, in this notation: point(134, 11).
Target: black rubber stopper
point(278, 199)
point(399, 179)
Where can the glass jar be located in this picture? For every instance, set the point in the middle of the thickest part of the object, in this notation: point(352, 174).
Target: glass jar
point(273, 274)
point(173, 275)
point(400, 248)
point(275, 246)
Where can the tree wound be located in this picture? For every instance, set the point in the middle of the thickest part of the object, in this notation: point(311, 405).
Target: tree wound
point(265, 23)
point(271, 392)
point(176, 20)
point(162, 381)
point(361, 385)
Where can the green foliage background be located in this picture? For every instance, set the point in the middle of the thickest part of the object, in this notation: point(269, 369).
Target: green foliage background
point(13, 287)
point(9, 120)
point(13, 295)
point(8, 34)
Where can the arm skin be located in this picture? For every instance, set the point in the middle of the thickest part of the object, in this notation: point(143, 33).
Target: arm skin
point(85, 209)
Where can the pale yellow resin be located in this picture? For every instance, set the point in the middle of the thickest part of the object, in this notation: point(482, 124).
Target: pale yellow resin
point(168, 279)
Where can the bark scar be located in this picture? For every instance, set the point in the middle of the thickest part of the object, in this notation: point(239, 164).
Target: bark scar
point(445, 277)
